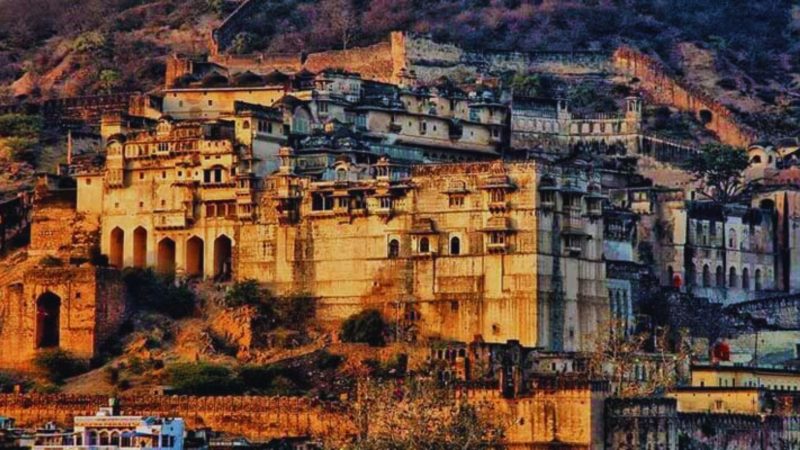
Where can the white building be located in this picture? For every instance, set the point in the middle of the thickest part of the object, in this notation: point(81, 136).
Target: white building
point(110, 431)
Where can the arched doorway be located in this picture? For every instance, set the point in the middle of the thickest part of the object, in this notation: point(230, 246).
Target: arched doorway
point(140, 247)
point(222, 257)
point(48, 320)
point(194, 256)
point(166, 256)
point(117, 247)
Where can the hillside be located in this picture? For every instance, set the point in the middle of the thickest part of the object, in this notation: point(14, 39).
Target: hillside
point(745, 53)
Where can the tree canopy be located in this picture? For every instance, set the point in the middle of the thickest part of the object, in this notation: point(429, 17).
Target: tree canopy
point(719, 168)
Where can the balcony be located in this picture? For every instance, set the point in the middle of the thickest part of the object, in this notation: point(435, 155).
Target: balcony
point(172, 219)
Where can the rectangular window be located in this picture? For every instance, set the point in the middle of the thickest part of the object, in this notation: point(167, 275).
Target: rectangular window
point(456, 201)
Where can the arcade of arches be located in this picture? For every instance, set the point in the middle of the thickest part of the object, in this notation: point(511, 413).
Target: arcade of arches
point(193, 255)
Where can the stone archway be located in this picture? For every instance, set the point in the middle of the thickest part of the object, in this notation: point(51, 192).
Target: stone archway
point(166, 256)
point(194, 256)
point(139, 247)
point(117, 247)
point(48, 320)
point(223, 252)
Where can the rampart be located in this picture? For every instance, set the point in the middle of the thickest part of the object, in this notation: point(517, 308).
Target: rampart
point(66, 110)
point(418, 55)
point(663, 88)
point(782, 311)
point(257, 418)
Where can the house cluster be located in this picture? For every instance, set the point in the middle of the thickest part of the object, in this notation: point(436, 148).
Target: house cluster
point(464, 215)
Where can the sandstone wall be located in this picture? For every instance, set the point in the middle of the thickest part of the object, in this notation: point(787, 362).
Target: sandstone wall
point(258, 418)
point(664, 88)
point(91, 309)
point(431, 60)
point(373, 62)
point(427, 59)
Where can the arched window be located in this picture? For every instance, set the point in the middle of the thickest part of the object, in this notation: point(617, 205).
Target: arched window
point(758, 279)
point(720, 277)
point(394, 248)
point(732, 277)
point(104, 438)
point(731, 238)
point(126, 439)
point(706, 276)
point(745, 278)
point(455, 245)
point(92, 438)
point(246, 125)
point(424, 245)
point(114, 438)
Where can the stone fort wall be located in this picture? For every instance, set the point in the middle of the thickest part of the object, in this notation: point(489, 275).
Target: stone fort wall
point(663, 88)
point(428, 60)
point(257, 418)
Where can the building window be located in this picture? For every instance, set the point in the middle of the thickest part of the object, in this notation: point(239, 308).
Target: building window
point(732, 277)
point(720, 275)
point(758, 279)
point(745, 278)
point(246, 125)
point(394, 248)
point(456, 201)
point(706, 276)
point(455, 245)
point(210, 102)
point(424, 245)
point(321, 201)
point(497, 237)
point(498, 195)
point(732, 238)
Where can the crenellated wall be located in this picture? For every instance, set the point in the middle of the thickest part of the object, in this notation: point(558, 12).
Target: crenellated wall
point(257, 418)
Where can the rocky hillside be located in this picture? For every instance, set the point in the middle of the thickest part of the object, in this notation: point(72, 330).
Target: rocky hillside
point(746, 53)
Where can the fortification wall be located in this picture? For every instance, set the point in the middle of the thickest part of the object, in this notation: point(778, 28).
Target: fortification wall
point(374, 62)
point(257, 418)
point(428, 60)
point(663, 88)
point(431, 60)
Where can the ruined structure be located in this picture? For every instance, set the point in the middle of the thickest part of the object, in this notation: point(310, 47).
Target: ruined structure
point(51, 296)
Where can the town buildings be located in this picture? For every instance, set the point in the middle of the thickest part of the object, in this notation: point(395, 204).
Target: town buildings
point(108, 429)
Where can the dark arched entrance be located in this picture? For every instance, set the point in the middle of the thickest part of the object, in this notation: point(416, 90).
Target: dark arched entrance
point(194, 256)
point(222, 257)
point(139, 247)
point(117, 247)
point(48, 320)
point(166, 256)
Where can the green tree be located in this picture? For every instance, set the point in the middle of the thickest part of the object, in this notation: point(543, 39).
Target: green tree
point(719, 168)
point(204, 379)
point(247, 292)
point(158, 293)
point(109, 80)
point(367, 327)
point(57, 364)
